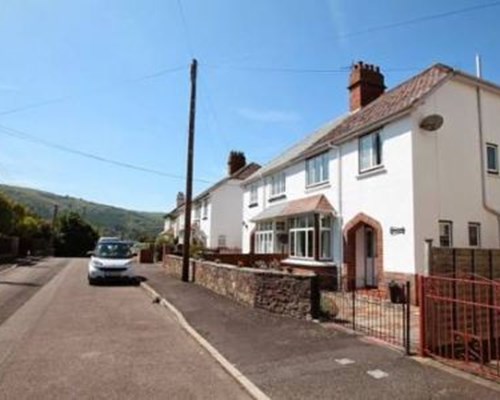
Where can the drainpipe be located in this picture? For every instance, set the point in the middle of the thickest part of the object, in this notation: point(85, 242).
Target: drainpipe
point(338, 148)
point(482, 150)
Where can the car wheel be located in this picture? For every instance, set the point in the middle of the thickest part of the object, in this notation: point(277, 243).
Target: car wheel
point(92, 282)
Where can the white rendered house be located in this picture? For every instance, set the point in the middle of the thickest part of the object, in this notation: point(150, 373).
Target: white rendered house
point(216, 213)
point(364, 192)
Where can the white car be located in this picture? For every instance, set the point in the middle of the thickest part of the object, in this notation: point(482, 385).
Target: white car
point(111, 260)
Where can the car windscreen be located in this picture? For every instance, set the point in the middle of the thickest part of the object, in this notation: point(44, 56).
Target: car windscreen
point(113, 250)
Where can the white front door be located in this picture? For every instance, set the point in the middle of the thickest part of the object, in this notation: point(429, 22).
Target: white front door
point(365, 257)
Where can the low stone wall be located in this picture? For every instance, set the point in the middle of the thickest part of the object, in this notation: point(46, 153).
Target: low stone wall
point(295, 295)
point(244, 259)
point(173, 265)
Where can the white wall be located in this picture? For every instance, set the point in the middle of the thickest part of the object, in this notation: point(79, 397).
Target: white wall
point(386, 196)
point(226, 214)
point(447, 169)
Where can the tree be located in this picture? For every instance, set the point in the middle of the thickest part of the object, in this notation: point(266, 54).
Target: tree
point(7, 217)
point(75, 237)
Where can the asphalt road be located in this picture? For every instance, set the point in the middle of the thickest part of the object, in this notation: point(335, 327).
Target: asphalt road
point(71, 340)
point(18, 285)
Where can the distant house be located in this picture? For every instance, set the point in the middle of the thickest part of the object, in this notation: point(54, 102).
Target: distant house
point(217, 212)
point(361, 194)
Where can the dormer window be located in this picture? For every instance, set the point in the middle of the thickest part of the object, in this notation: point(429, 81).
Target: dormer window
point(370, 151)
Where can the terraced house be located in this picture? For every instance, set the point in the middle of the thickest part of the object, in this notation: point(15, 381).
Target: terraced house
point(363, 193)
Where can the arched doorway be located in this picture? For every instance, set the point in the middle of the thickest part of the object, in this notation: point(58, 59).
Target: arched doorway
point(363, 252)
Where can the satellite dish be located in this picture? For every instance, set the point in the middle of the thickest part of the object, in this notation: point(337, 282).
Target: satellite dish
point(432, 122)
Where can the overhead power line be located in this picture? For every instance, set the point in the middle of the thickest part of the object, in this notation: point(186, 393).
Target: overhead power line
point(186, 29)
point(297, 70)
point(15, 133)
point(63, 99)
point(418, 20)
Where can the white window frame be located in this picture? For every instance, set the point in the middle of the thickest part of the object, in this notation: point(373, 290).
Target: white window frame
point(370, 146)
point(325, 225)
point(197, 212)
point(317, 169)
point(264, 238)
point(205, 209)
point(254, 194)
point(277, 183)
point(301, 228)
point(222, 241)
point(494, 169)
point(477, 226)
point(443, 225)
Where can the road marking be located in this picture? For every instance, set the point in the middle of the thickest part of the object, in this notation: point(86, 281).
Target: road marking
point(377, 374)
point(344, 361)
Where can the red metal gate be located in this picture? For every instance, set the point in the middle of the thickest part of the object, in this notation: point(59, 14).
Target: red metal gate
point(460, 322)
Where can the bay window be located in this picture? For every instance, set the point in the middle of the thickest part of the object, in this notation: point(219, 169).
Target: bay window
point(325, 237)
point(264, 238)
point(302, 236)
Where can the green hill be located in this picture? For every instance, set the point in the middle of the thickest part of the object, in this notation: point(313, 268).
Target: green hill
point(109, 220)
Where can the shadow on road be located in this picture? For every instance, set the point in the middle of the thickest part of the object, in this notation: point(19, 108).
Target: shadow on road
point(20, 283)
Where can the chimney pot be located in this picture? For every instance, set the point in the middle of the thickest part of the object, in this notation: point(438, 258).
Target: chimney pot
point(236, 161)
point(180, 199)
point(366, 83)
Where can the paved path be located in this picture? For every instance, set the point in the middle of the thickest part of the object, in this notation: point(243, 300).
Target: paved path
point(291, 359)
point(74, 341)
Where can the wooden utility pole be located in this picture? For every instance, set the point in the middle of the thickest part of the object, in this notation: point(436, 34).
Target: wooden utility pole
point(53, 229)
point(189, 175)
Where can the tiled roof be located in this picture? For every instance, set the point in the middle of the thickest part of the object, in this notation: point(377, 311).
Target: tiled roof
point(317, 204)
point(294, 151)
point(246, 171)
point(389, 104)
point(241, 174)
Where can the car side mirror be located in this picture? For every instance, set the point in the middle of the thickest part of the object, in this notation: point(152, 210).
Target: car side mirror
point(90, 253)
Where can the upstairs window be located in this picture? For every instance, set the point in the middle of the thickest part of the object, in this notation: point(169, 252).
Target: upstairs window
point(278, 184)
point(317, 169)
point(197, 212)
point(445, 233)
point(205, 209)
point(474, 234)
point(492, 158)
point(370, 151)
point(254, 199)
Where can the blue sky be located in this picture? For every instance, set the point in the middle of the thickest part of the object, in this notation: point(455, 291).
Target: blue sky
point(95, 57)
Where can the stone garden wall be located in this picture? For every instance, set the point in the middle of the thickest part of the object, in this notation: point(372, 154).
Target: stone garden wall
point(295, 295)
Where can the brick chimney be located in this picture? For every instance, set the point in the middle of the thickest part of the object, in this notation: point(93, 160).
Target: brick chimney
point(366, 83)
point(235, 162)
point(180, 199)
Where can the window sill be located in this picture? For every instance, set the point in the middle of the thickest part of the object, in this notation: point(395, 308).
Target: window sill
point(372, 172)
point(493, 174)
point(277, 198)
point(317, 186)
point(307, 262)
point(252, 205)
point(205, 218)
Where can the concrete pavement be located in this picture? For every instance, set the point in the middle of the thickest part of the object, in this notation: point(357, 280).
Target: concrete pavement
point(291, 359)
point(71, 340)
